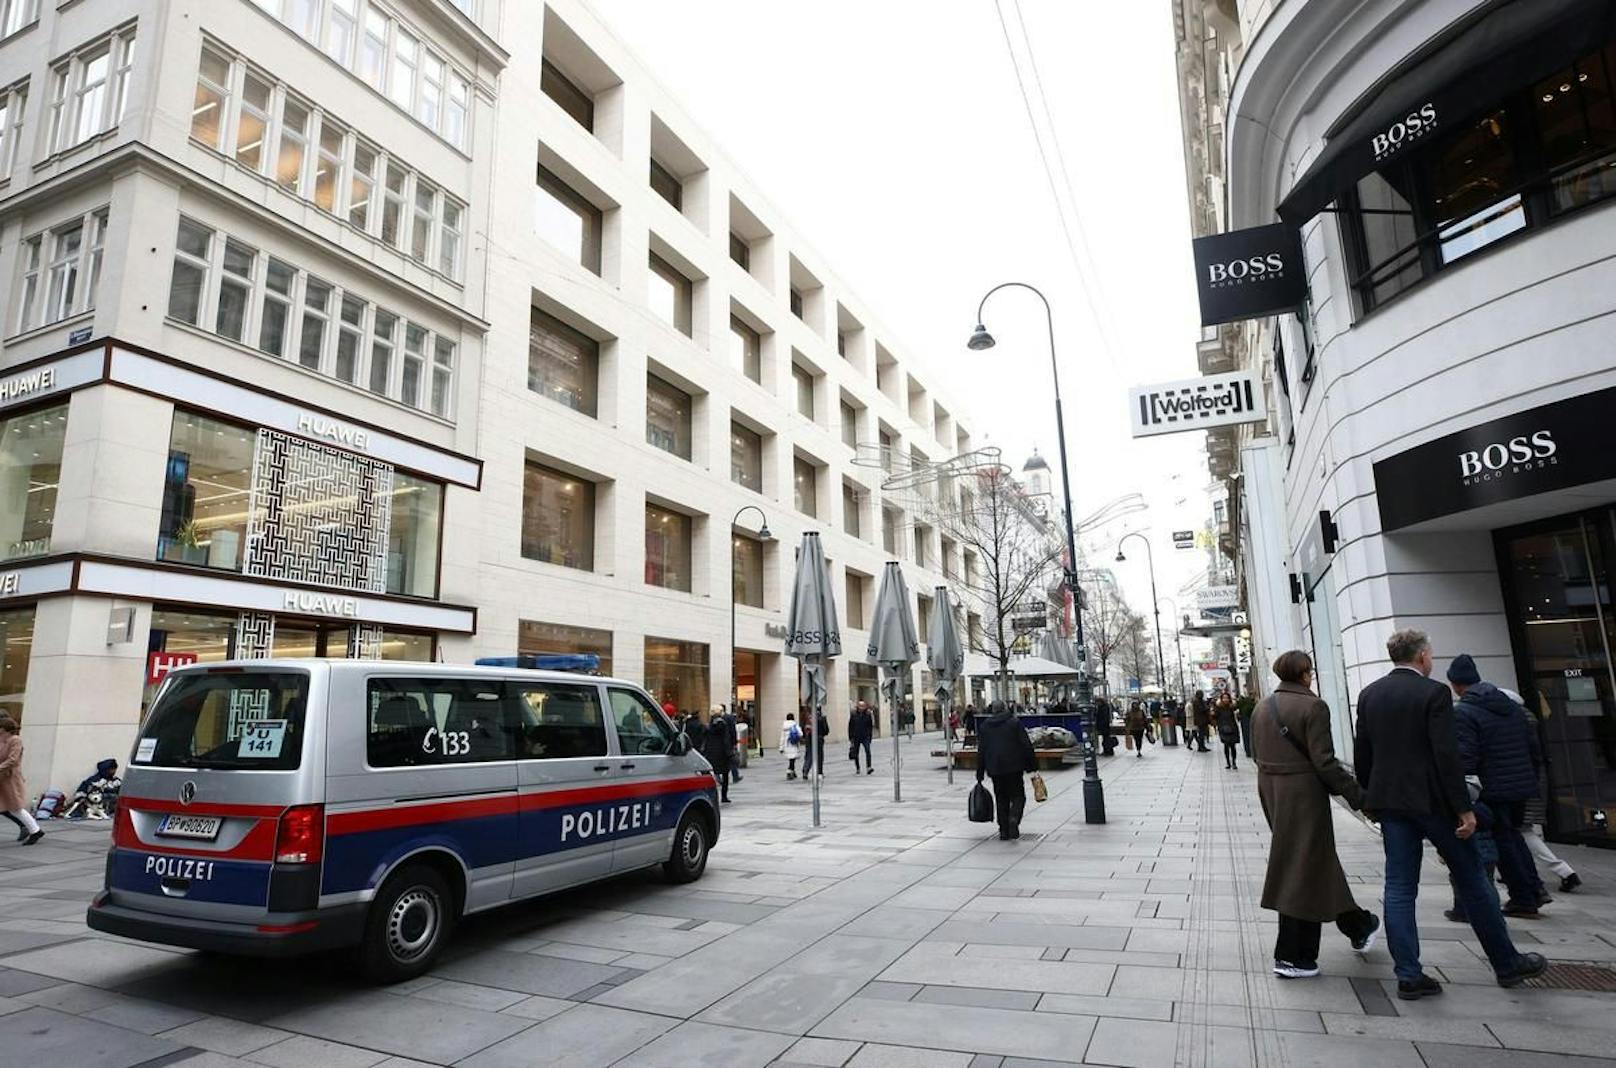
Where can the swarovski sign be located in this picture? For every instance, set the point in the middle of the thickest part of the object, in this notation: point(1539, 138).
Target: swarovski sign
point(1196, 404)
point(1246, 274)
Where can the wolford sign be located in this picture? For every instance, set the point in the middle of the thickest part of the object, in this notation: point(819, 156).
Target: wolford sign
point(1245, 274)
point(1196, 404)
point(1551, 447)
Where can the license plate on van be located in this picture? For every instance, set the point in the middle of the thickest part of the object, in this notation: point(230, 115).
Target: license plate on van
point(205, 828)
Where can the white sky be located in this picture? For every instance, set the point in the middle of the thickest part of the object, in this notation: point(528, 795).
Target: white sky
point(892, 135)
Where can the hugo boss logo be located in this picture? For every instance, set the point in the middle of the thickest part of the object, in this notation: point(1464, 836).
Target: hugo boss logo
point(1500, 459)
point(1251, 269)
point(1404, 132)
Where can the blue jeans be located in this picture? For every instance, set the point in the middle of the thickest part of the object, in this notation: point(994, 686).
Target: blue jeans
point(1404, 837)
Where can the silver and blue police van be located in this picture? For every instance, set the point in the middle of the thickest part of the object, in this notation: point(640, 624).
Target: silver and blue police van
point(276, 807)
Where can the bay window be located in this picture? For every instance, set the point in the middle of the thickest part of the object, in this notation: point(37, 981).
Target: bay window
point(88, 88)
point(13, 109)
point(212, 99)
point(61, 269)
point(243, 293)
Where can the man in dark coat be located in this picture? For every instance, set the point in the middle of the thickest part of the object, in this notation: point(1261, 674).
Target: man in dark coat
point(1004, 753)
point(860, 729)
point(1103, 727)
point(1498, 745)
point(718, 746)
point(1201, 716)
point(1407, 761)
point(1297, 772)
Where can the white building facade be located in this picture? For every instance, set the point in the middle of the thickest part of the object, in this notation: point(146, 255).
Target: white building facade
point(416, 330)
point(1439, 455)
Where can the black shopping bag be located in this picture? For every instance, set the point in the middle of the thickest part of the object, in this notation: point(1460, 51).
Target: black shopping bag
point(979, 805)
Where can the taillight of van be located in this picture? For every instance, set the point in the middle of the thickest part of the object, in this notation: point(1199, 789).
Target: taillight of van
point(300, 838)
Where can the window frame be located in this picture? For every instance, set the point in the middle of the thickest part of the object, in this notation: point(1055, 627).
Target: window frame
point(40, 261)
point(71, 123)
point(684, 294)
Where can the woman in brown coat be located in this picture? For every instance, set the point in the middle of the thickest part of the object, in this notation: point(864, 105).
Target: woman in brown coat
point(1297, 772)
point(13, 791)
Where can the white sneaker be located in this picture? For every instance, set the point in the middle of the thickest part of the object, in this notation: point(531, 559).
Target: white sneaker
point(1286, 970)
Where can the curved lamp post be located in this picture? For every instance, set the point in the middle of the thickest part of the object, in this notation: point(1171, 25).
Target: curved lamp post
point(1093, 789)
point(1155, 602)
point(1178, 640)
point(734, 673)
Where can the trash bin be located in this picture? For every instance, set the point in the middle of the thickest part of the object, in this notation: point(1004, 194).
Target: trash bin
point(741, 732)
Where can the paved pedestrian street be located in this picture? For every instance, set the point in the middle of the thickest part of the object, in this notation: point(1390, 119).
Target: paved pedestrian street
point(898, 934)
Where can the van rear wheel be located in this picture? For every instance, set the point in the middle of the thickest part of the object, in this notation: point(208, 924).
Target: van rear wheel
point(409, 922)
point(690, 844)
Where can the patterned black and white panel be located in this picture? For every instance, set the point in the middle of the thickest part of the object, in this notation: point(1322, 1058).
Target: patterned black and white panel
point(318, 515)
point(365, 641)
point(255, 635)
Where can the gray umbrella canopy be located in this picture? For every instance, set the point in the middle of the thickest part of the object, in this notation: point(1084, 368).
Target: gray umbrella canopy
point(813, 636)
point(944, 655)
point(892, 633)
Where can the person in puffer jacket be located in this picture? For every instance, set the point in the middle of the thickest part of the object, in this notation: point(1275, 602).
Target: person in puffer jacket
point(1498, 745)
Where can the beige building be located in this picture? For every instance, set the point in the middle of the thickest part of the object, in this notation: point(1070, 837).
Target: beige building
point(419, 330)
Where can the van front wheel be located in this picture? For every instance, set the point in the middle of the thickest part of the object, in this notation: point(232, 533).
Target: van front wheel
point(410, 920)
point(689, 857)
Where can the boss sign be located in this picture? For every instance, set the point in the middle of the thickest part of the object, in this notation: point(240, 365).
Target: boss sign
point(1245, 274)
point(1196, 404)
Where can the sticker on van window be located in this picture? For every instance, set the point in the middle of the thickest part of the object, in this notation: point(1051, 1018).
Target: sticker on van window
point(144, 751)
point(261, 739)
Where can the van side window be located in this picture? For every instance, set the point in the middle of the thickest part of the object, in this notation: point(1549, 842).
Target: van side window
point(427, 721)
point(641, 727)
point(560, 720)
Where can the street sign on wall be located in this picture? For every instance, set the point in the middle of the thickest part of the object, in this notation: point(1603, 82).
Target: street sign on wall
point(1196, 404)
point(1183, 539)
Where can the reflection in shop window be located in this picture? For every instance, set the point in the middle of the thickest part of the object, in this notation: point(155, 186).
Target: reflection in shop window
point(745, 457)
point(30, 471)
point(535, 638)
point(667, 548)
point(748, 570)
point(412, 540)
point(667, 417)
point(676, 672)
point(207, 489)
point(558, 518)
point(562, 364)
point(208, 637)
point(16, 644)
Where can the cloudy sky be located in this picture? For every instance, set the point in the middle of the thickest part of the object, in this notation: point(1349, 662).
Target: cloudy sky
point(893, 134)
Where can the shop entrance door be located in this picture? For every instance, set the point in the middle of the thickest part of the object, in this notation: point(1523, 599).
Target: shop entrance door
point(1557, 586)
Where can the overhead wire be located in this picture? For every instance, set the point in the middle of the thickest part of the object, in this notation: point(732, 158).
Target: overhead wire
point(1076, 248)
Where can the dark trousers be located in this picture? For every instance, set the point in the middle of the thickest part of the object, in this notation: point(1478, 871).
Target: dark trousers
point(813, 752)
point(853, 752)
point(1245, 734)
point(1230, 750)
point(1200, 738)
point(723, 776)
point(1515, 862)
point(1298, 941)
point(1009, 801)
point(1404, 838)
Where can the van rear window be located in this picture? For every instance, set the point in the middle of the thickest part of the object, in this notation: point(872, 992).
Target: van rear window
point(246, 719)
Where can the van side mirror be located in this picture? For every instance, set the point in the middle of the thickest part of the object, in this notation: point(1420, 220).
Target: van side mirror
point(680, 744)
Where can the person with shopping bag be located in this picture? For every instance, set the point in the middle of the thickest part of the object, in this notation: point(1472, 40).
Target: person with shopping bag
point(1004, 753)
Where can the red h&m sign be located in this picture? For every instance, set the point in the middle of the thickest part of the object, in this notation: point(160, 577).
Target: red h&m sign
point(160, 664)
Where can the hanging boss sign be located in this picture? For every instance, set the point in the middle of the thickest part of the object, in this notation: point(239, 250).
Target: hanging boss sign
point(1244, 274)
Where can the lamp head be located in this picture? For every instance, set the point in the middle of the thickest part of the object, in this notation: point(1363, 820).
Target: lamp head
point(1121, 559)
point(763, 533)
point(980, 339)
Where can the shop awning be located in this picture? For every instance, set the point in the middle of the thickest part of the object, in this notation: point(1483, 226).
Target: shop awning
point(1455, 77)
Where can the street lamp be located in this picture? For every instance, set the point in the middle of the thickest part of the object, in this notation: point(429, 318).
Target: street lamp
point(1178, 640)
point(1155, 602)
point(981, 340)
point(734, 674)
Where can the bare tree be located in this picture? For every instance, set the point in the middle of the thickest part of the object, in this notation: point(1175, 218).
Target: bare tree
point(1135, 654)
point(1017, 554)
point(1105, 622)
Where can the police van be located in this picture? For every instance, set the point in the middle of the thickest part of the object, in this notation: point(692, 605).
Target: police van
point(275, 807)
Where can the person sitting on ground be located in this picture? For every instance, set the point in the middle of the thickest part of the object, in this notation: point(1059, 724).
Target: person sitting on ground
point(97, 796)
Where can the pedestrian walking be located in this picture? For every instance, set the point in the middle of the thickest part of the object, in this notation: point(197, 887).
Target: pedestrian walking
point(1498, 745)
point(1228, 721)
point(1201, 716)
point(860, 729)
point(1004, 753)
point(790, 744)
point(13, 790)
point(1297, 774)
point(735, 729)
point(718, 746)
point(1406, 758)
point(814, 730)
point(1136, 723)
point(1243, 709)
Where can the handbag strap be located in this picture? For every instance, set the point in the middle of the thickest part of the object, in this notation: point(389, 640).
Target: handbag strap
point(1284, 731)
